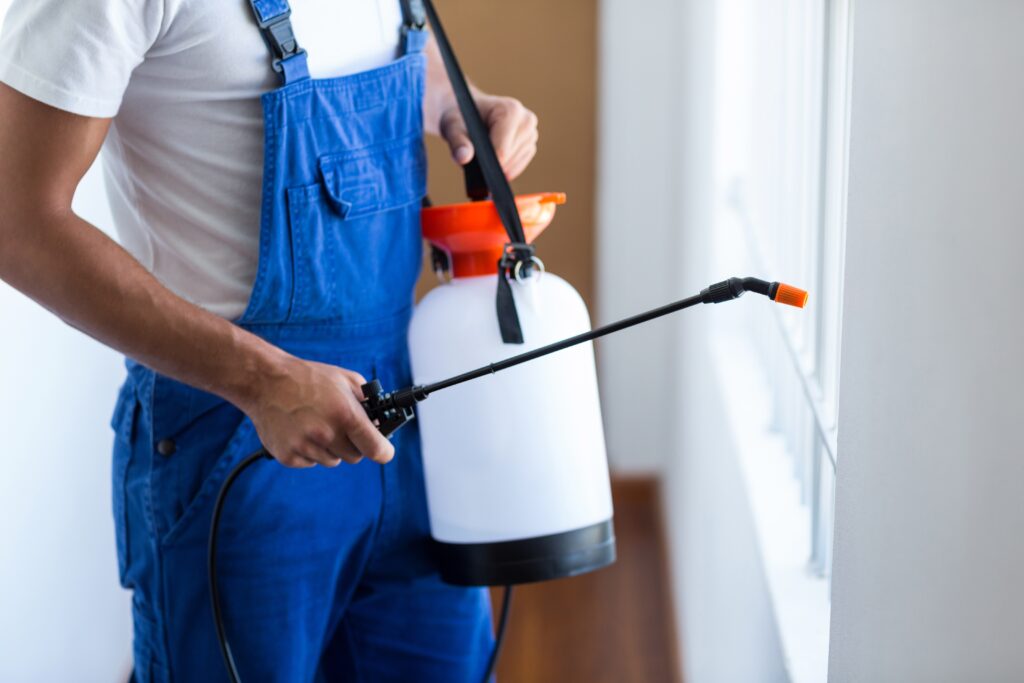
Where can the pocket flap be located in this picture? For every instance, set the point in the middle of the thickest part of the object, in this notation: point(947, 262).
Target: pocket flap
point(376, 178)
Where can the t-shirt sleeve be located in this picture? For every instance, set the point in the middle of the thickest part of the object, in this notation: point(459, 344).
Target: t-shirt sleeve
point(77, 55)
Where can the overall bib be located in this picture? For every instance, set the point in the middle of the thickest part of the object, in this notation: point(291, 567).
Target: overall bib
point(325, 574)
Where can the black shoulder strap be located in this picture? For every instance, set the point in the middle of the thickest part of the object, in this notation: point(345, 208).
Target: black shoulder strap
point(484, 174)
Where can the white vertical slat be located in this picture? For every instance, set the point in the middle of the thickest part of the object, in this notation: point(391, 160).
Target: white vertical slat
point(788, 195)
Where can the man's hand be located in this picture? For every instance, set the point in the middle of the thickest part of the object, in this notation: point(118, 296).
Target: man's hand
point(513, 131)
point(309, 413)
point(513, 127)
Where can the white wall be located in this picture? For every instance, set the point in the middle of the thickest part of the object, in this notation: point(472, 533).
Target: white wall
point(63, 616)
point(928, 584)
point(639, 171)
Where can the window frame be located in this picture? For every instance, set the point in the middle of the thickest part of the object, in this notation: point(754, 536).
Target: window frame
point(793, 225)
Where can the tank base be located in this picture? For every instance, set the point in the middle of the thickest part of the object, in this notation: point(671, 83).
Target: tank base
point(527, 560)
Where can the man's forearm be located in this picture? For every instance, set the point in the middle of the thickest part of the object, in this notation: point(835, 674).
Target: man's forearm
point(80, 274)
point(77, 272)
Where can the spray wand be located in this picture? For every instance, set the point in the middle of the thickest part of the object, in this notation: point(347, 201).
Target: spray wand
point(389, 411)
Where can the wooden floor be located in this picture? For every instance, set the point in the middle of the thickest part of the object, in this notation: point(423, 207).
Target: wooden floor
point(611, 626)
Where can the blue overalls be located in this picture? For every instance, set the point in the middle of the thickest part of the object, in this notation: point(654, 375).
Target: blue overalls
point(326, 574)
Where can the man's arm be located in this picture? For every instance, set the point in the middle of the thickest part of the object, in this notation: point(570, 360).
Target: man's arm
point(513, 127)
point(305, 413)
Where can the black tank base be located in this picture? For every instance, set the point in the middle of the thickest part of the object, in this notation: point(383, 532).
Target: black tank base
point(527, 560)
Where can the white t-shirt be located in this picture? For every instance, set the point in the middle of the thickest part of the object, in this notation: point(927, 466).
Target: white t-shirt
point(182, 80)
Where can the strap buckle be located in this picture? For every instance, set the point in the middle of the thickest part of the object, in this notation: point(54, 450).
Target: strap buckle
point(281, 38)
point(516, 263)
point(518, 259)
point(414, 17)
point(441, 263)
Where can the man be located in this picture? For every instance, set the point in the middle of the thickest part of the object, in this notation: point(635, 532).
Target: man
point(267, 199)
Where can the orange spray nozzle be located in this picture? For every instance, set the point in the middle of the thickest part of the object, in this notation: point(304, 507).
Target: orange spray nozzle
point(790, 295)
point(735, 287)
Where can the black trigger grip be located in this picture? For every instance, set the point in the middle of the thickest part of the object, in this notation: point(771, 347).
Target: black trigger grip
point(390, 411)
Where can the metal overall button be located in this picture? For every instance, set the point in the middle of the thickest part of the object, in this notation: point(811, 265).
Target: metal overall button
point(166, 447)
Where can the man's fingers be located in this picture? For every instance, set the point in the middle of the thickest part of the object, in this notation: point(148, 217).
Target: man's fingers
point(343, 447)
point(371, 443)
point(356, 381)
point(368, 440)
point(526, 149)
point(357, 436)
point(504, 124)
point(518, 163)
point(294, 461)
point(528, 136)
point(318, 455)
point(453, 130)
point(525, 146)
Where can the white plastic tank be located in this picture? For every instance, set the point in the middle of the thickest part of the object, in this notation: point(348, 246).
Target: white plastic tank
point(515, 463)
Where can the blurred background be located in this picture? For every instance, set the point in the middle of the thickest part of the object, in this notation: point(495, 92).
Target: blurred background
point(773, 524)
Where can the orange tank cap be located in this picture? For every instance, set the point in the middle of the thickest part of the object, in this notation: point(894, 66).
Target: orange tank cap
point(472, 234)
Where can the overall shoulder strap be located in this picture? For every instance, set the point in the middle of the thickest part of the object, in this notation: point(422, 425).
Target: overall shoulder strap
point(414, 23)
point(273, 17)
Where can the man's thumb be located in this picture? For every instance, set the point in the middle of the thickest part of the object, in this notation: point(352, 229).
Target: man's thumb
point(462, 149)
point(458, 140)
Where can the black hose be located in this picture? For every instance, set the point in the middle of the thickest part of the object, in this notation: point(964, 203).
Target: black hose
point(218, 615)
point(499, 637)
point(211, 563)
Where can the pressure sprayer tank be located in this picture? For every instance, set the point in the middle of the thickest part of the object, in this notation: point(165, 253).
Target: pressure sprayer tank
point(515, 463)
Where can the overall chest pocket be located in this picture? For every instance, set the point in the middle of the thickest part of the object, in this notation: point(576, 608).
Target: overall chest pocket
point(355, 234)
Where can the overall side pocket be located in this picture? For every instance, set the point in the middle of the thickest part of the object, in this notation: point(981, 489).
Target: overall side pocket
point(187, 527)
point(194, 436)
